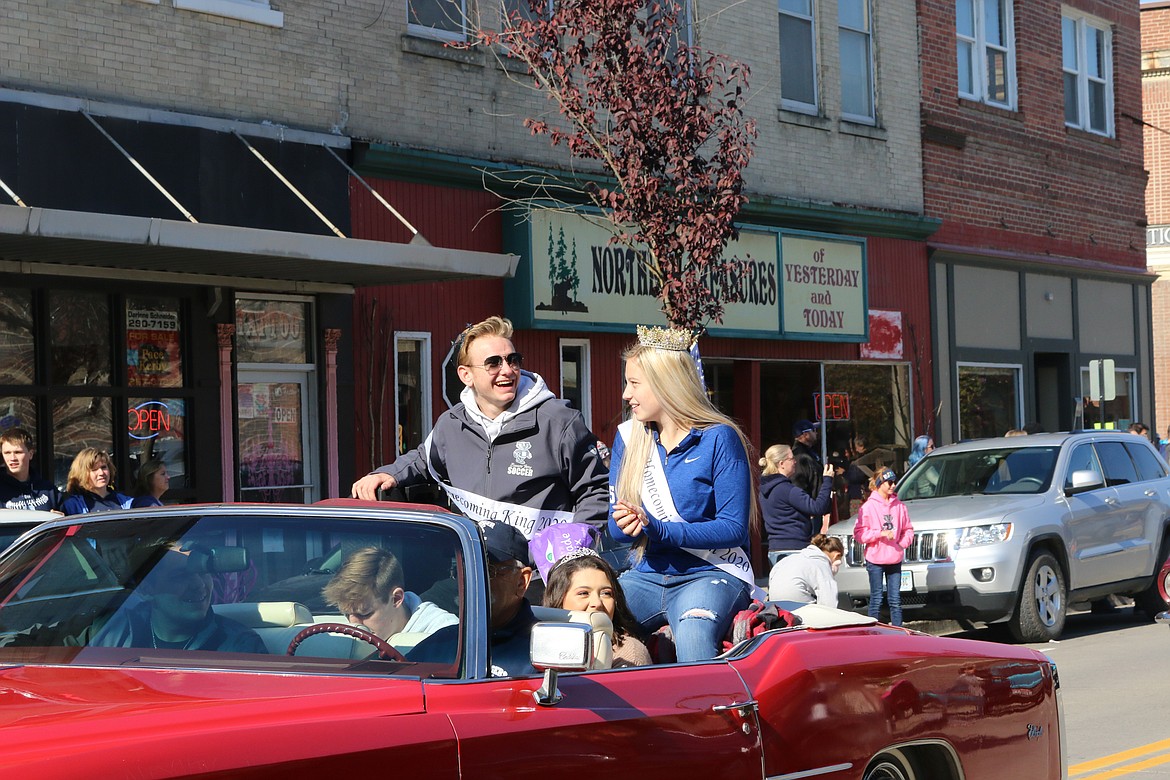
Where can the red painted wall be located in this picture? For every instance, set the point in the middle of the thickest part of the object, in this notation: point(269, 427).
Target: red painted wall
point(463, 219)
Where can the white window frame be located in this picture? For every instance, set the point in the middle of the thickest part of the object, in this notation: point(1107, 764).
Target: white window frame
point(1080, 71)
point(422, 31)
point(425, 383)
point(583, 378)
point(1018, 368)
point(979, 48)
point(867, 34)
point(789, 103)
point(255, 11)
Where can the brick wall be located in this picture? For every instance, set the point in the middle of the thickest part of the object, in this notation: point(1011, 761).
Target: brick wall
point(1155, 22)
point(1020, 179)
point(352, 68)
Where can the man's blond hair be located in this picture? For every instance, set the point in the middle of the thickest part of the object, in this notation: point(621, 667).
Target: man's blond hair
point(492, 326)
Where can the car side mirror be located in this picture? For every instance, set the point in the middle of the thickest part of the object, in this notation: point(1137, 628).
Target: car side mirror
point(1085, 480)
point(556, 648)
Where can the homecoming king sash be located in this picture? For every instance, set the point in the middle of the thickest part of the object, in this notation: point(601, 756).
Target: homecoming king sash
point(526, 519)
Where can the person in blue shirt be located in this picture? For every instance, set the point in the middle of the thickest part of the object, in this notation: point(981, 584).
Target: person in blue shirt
point(153, 481)
point(681, 487)
point(91, 484)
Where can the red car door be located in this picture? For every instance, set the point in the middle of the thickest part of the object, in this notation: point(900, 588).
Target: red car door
point(650, 722)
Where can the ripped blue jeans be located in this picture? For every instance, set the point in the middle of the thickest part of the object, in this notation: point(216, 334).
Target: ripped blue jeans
point(698, 606)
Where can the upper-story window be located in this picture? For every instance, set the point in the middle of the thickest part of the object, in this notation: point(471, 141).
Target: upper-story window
point(798, 49)
point(986, 51)
point(1087, 46)
point(444, 19)
point(855, 33)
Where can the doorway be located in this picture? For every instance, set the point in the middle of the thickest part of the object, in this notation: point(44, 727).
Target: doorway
point(1054, 397)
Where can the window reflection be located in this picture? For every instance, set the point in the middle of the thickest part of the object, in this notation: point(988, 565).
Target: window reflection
point(79, 334)
point(17, 346)
point(156, 429)
point(989, 400)
point(80, 422)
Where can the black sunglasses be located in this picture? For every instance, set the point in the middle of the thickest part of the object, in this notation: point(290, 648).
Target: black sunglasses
point(494, 363)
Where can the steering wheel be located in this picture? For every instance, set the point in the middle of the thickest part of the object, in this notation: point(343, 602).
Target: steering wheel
point(1029, 482)
point(385, 649)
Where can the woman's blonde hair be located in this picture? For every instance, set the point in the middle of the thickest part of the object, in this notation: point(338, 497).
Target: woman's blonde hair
point(773, 456)
point(84, 462)
point(673, 379)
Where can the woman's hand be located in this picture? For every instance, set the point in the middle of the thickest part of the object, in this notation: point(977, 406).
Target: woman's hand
point(629, 518)
point(829, 470)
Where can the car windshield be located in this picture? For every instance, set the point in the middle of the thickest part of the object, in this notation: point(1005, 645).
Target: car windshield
point(10, 531)
point(1019, 470)
point(231, 591)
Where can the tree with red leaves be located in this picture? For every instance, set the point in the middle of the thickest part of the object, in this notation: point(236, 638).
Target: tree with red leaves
point(665, 122)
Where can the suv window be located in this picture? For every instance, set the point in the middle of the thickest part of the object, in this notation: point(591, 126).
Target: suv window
point(1083, 458)
point(1119, 468)
point(1148, 465)
point(1004, 470)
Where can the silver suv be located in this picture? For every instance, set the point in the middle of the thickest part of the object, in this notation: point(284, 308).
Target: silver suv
point(1014, 529)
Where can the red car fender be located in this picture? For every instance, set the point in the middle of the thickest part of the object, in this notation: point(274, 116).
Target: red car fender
point(822, 705)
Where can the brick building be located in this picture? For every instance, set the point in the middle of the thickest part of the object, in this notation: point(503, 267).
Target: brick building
point(197, 91)
point(1156, 114)
point(837, 162)
point(1032, 159)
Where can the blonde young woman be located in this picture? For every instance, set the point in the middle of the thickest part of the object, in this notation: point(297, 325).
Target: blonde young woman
point(682, 490)
point(91, 484)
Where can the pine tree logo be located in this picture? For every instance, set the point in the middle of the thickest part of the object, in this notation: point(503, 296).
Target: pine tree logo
point(562, 275)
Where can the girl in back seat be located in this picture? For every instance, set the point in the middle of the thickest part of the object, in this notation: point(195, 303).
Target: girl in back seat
point(584, 582)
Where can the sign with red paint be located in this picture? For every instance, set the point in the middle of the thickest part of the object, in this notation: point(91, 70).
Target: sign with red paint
point(885, 336)
point(153, 351)
point(836, 406)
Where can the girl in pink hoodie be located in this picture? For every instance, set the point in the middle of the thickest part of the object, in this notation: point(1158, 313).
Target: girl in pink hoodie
point(883, 526)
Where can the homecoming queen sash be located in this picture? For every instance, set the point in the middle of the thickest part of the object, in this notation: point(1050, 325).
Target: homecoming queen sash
point(528, 520)
point(657, 499)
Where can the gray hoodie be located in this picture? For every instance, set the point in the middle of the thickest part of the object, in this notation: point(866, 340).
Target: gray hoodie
point(538, 453)
point(806, 576)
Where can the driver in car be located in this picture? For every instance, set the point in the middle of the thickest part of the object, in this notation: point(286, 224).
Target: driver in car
point(369, 589)
point(174, 612)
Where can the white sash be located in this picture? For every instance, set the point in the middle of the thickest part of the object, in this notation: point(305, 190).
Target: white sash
point(659, 502)
point(528, 520)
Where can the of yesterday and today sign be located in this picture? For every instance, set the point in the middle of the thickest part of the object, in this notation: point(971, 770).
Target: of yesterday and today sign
point(803, 286)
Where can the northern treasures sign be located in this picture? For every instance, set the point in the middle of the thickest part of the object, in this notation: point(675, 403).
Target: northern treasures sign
point(576, 277)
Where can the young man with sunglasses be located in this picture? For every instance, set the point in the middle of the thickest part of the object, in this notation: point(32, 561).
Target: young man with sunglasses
point(510, 451)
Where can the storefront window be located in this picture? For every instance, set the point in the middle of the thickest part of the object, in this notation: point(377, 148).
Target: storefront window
point(412, 401)
point(575, 376)
point(154, 355)
point(269, 331)
point(80, 422)
point(868, 400)
point(18, 412)
point(156, 429)
point(989, 400)
point(17, 346)
point(272, 467)
point(79, 330)
point(1119, 412)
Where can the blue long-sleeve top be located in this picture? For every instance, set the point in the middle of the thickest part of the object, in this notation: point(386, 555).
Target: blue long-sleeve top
point(710, 482)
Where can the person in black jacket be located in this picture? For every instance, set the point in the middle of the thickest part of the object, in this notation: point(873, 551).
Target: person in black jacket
point(19, 487)
point(791, 515)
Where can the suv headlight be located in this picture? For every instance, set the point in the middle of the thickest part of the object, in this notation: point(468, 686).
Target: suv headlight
point(977, 535)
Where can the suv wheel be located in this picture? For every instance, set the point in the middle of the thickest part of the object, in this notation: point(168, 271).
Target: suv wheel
point(1040, 610)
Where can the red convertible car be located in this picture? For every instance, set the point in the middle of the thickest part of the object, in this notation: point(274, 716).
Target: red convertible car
point(93, 683)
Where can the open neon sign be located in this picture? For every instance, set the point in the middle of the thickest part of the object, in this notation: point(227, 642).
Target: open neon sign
point(836, 406)
point(148, 420)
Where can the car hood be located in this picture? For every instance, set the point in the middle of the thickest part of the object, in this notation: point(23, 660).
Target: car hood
point(936, 514)
point(90, 710)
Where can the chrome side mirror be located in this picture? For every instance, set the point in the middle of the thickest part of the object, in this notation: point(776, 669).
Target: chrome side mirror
point(556, 648)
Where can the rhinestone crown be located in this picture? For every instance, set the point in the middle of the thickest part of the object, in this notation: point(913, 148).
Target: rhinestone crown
point(672, 339)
